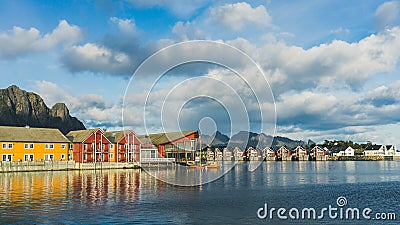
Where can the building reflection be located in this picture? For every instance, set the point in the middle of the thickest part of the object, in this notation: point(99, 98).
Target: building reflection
point(41, 189)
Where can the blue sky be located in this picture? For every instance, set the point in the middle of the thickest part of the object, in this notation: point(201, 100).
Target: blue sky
point(333, 66)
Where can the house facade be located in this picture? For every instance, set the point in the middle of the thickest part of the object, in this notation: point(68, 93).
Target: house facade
point(210, 155)
point(218, 156)
point(375, 150)
point(238, 154)
point(32, 144)
point(253, 154)
point(342, 151)
point(227, 154)
point(125, 146)
point(390, 150)
point(89, 145)
point(180, 146)
point(284, 153)
point(268, 154)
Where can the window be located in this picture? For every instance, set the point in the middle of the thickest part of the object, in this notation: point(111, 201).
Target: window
point(84, 157)
point(62, 146)
point(28, 157)
point(103, 146)
point(6, 158)
point(29, 146)
point(84, 146)
point(111, 146)
point(71, 146)
point(7, 145)
point(48, 157)
point(111, 155)
point(62, 156)
point(49, 146)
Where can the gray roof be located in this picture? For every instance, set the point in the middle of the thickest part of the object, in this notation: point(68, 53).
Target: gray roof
point(163, 138)
point(337, 149)
point(373, 147)
point(28, 134)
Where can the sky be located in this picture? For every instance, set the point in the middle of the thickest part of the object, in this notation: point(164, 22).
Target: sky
point(305, 69)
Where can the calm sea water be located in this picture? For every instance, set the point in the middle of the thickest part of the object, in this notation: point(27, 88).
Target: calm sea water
point(135, 197)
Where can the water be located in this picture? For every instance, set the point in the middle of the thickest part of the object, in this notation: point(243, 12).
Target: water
point(135, 197)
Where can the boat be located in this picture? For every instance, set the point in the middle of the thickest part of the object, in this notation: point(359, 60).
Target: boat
point(211, 165)
point(191, 163)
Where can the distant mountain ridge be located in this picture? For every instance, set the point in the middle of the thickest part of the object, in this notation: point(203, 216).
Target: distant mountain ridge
point(245, 139)
point(21, 108)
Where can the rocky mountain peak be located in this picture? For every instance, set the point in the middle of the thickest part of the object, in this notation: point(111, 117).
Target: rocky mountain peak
point(59, 110)
point(20, 108)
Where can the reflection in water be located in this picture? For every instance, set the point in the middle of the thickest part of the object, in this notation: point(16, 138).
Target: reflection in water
point(188, 176)
point(125, 196)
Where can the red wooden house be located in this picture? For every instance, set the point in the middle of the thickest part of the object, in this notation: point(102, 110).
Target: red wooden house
point(285, 153)
point(178, 145)
point(125, 146)
point(89, 145)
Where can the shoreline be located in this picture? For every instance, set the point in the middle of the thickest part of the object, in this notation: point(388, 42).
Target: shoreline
point(11, 167)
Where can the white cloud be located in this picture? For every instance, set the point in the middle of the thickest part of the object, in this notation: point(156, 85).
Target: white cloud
point(91, 109)
point(187, 31)
point(387, 13)
point(19, 41)
point(336, 64)
point(238, 15)
point(305, 103)
point(96, 58)
point(127, 26)
point(117, 53)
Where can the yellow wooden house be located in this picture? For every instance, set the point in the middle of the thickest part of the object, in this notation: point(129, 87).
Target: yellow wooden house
point(32, 144)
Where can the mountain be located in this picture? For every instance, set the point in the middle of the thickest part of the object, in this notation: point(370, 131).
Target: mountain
point(245, 139)
point(217, 139)
point(280, 141)
point(22, 108)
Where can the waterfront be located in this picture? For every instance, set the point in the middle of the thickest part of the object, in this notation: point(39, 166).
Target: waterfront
point(133, 196)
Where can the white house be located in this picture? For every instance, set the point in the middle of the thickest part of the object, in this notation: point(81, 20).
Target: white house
point(252, 154)
point(375, 150)
point(210, 155)
point(318, 151)
point(227, 154)
point(342, 151)
point(218, 154)
point(237, 154)
point(268, 152)
point(390, 150)
point(300, 151)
